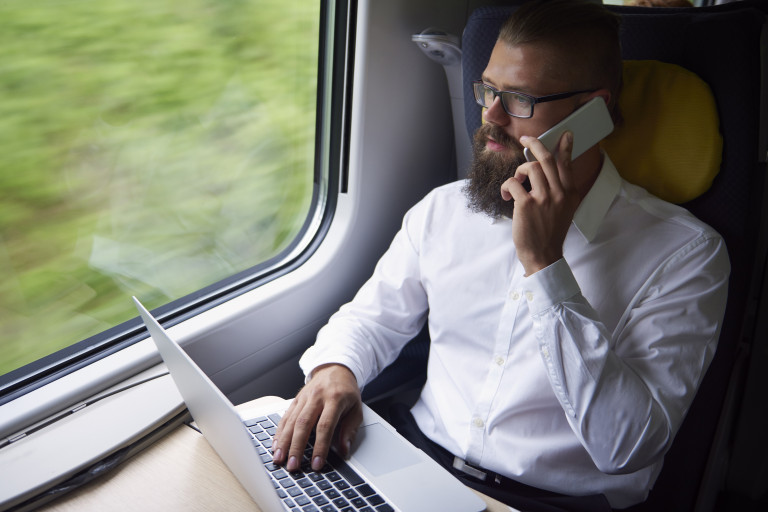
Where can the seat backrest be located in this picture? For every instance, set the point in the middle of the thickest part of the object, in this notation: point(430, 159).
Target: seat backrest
point(722, 45)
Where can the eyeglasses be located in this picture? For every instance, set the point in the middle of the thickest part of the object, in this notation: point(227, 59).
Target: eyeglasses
point(516, 104)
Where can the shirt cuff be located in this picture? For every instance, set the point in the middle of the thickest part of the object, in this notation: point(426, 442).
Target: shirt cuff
point(550, 286)
point(312, 359)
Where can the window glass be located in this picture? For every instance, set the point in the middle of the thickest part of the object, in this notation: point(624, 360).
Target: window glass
point(147, 148)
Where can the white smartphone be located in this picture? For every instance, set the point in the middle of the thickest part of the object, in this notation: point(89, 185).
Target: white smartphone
point(590, 124)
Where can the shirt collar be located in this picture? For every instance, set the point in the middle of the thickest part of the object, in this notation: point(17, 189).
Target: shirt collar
point(595, 205)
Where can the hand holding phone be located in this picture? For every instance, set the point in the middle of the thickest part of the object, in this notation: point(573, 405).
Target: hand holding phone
point(589, 124)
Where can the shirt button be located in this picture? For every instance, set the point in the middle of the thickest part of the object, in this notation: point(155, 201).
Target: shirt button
point(478, 422)
point(529, 296)
point(498, 360)
point(515, 296)
point(545, 351)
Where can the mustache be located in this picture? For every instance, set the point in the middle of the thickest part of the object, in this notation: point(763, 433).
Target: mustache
point(491, 131)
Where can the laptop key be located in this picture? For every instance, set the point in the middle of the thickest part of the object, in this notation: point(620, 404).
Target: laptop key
point(316, 477)
point(384, 508)
point(365, 490)
point(320, 500)
point(345, 470)
point(254, 421)
point(341, 502)
point(375, 500)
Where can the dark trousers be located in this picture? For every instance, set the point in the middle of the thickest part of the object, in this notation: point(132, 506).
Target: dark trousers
point(514, 494)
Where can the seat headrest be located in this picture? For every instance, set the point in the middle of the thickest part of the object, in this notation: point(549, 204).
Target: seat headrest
point(670, 142)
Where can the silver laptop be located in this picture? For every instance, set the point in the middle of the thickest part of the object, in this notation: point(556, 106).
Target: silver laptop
point(384, 473)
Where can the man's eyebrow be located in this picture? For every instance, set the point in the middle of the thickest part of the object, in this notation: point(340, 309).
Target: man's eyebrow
point(490, 82)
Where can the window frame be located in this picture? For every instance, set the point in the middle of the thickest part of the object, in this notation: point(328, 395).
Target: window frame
point(334, 89)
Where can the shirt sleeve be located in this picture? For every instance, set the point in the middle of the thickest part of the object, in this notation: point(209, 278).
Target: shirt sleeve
point(367, 334)
point(625, 393)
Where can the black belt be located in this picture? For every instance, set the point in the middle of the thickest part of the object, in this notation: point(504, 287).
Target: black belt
point(477, 472)
point(487, 477)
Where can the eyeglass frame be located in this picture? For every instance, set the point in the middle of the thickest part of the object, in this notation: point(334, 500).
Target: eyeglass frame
point(533, 99)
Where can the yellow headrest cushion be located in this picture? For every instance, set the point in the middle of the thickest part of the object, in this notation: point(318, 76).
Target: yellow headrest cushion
point(670, 142)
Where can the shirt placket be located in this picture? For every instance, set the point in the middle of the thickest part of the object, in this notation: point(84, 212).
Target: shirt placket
point(497, 360)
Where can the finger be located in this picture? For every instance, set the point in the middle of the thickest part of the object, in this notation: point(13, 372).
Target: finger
point(537, 178)
point(326, 426)
point(302, 430)
point(513, 189)
point(545, 159)
point(281, 441)
point(564, 152)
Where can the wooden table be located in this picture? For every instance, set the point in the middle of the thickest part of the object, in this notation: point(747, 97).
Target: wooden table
point(181, 472)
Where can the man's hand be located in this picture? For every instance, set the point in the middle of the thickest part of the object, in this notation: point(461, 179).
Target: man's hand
point(331, 398)
point(542, 216)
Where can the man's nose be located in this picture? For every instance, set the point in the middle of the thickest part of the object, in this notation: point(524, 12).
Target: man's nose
point(495, 114)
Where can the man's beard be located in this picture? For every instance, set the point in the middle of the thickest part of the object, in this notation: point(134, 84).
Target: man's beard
point(489, 170)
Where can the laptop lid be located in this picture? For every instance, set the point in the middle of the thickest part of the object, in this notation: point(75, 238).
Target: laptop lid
point(216, 416)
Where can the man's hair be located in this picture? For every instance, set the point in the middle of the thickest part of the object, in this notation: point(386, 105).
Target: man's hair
point(583, 32)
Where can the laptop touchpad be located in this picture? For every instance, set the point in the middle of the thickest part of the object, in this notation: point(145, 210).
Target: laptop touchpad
point(379, 451)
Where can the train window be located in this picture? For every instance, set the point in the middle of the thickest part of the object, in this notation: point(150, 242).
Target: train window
point(148, 148)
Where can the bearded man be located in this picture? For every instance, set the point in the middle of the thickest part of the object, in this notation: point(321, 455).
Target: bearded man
point(571, 314)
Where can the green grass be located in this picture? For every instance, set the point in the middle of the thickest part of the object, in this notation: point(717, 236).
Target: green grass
point(146, 147)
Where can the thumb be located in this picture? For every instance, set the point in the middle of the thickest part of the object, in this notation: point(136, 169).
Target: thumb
point(348, 428)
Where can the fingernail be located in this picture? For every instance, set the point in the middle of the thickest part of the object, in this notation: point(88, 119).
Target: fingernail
point(348, 446)
point(293, 464)
point(569, 137)
point(318, 463)
point(278, 455)
point(524, 138)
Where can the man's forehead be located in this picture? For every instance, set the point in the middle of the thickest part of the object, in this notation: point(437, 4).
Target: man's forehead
point(525, 68)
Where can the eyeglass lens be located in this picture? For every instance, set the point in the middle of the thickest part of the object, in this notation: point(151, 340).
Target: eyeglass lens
point(514, 104)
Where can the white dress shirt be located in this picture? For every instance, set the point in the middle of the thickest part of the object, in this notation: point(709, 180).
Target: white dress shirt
point(574, 379)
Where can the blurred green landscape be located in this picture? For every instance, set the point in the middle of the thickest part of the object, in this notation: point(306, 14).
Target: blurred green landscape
point(147, 148)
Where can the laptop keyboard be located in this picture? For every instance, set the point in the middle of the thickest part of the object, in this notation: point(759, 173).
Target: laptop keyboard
point(336, 488)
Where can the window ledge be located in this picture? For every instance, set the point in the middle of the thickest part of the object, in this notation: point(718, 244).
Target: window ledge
point(39, 459)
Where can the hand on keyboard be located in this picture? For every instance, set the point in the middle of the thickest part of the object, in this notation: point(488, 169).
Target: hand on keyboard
point(329, 403)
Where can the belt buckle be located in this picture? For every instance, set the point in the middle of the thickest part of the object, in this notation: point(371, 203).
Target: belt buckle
point(464, 467)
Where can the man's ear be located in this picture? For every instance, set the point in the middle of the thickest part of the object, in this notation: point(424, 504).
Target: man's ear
point(603, 93)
